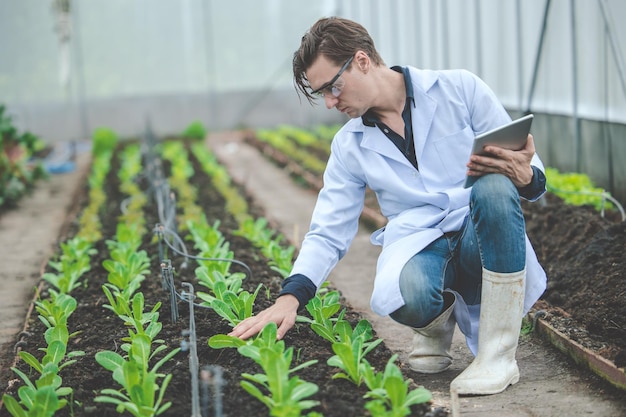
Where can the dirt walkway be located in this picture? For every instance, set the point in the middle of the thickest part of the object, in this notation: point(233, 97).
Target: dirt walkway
point(550, 384)
point(28, 237)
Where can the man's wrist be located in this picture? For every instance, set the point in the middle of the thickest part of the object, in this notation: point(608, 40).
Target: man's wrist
point(301, 287)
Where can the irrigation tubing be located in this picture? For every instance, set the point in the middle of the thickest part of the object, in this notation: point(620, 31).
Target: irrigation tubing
point(248, 272)
point(199, 258)
point(605, 196)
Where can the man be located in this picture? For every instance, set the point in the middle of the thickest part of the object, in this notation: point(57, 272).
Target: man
point(450, 254)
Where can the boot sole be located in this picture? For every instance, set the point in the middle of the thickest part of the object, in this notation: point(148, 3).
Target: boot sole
point(512, 381)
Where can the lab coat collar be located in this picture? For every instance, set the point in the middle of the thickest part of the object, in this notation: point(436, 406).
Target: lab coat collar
point(423, 108)
point(423, 113)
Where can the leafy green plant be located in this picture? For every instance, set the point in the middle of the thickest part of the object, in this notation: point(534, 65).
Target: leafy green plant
point(195, 130)
point(231, 305)
point(210, 279)
point(56, 310)
point(55, 352)
point(211, 244)
point(302, 155)
point(322, 308)
point(104, 141)
point(351, 349)
point(90, 226)
point(40, 399)
point(17, 174)
point(282, 394)
point(119, 300)
point(140, 395)
point(576, 189)
point(141, 322)
point(74, 262)
point(390, 392)
point(126, 267)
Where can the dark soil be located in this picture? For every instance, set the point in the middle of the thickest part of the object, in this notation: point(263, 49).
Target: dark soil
point(582, 253)
point(98, 329)
point(584, 256)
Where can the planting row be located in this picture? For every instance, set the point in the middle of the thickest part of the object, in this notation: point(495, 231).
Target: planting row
point(135, 321)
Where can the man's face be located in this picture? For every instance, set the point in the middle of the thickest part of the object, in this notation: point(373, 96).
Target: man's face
point(336, 85)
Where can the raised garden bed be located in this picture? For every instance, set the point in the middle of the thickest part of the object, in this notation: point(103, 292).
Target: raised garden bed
point(97, 328)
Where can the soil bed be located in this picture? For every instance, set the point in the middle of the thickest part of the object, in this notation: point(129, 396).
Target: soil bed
point(98, 329)
point(584, 257)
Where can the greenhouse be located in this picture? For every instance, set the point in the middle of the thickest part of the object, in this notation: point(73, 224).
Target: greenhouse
point(200, 215)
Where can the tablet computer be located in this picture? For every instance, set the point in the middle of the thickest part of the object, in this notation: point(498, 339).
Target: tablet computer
point(510, 136)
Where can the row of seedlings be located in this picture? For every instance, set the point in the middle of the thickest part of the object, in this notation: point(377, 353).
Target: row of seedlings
point(142, 385)
point(224, 293)
point(305, 153)
point(227, 298)
point(390, 393)
point(46, 395)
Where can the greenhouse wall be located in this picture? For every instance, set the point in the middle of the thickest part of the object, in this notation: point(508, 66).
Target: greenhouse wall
point(69, 66)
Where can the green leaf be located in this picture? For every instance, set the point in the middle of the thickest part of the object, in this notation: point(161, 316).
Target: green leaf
point(140, 350)
point(13, 406)
point(220, 341)
point(47, 401)
point(109, 360)
point(31, 361)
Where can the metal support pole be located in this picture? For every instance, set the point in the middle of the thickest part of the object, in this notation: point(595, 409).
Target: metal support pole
point(479, 39)
point(445, 32)
point(577, 134)
point(619, 58)
point(80, 71)
point(520, 54)
point(533, 83)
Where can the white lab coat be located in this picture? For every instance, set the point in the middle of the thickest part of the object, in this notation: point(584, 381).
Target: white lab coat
point(450, 109)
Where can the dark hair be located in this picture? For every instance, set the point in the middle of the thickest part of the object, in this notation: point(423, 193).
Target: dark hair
point(335, 38)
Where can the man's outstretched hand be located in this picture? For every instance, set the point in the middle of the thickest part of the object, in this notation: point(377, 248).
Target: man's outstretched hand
point(283, 313)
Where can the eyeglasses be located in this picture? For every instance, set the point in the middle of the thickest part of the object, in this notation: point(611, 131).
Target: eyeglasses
point(335, 85)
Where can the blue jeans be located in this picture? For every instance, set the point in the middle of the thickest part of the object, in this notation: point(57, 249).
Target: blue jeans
point(492, 236)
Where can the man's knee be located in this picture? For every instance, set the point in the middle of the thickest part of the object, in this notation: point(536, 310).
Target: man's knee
point(496, 193)
point(493, 185)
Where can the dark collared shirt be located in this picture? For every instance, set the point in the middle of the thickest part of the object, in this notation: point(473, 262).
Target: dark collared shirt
point(405, 145)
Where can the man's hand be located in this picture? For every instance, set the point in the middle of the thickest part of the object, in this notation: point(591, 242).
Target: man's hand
point(513, 164)
point(283, 313)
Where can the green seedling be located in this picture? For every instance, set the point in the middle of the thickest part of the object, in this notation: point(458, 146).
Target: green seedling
point(351, 349)
point(141, 395)
point(390, 393)
point(282, 394)
point(322, 308)
point(231, 305)
point(39, 399)
point(73, 263)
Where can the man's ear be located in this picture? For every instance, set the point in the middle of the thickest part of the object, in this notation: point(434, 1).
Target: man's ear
point(362, 61)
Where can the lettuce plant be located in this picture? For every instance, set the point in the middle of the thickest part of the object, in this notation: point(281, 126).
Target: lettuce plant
point(230, 305)
point(390, 393)
point(73, 263)
point(140, 395)
point(322, 308)
point(351, 349)
point(282, 394)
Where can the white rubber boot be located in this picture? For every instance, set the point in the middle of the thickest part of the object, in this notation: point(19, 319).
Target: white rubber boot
point(501, 313)
point(431, 353)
